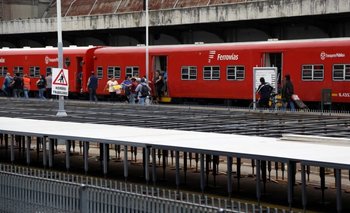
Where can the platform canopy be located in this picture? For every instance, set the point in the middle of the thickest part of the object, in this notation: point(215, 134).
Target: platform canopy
point(333, 155)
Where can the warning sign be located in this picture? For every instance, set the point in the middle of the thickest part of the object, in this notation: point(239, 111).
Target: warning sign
point(60, 82)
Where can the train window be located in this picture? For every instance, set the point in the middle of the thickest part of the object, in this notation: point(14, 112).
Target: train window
point(34, 72)
point(211, 73)
point(312, 72)
point(132, 71)
point(48, 71)
point(341, 72)
point(113, 71)
point(188, 73)
point(235, 72)
point(99, 72)
point(18, 70)
point(3, 71)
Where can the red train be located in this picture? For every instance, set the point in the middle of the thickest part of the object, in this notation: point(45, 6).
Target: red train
point(203, 71)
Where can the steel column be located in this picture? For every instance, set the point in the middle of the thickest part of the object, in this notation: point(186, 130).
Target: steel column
point(28, 141)
point(67, 155)
point(126, 162)
point(177, 166)
point(202, 173)
point(229, 175)
point(86, 156)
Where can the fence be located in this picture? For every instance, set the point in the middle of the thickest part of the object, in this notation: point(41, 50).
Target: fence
point(20, 192)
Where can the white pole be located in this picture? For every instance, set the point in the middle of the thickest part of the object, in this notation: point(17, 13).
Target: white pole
point(61, 112)
point(147, 41)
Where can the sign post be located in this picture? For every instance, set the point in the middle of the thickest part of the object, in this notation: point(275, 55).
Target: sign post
point(61, 112)
point(60, 82)
point(270, 76)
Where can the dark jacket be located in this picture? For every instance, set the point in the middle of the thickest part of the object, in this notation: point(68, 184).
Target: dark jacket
point(93, 82)
point(287, 91)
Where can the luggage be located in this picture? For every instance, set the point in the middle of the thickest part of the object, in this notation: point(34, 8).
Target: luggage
point(300, 104)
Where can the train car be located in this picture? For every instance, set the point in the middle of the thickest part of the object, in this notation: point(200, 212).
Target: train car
point(225, 71)
point(118, 62)
point(39, 61)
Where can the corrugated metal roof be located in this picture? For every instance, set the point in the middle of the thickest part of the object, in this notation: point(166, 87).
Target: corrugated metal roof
point(80, 7)
point(105, 7)
point(161, 4)
point(191, 3)
point(130, 5)
point(95, 7)
point(216, 2)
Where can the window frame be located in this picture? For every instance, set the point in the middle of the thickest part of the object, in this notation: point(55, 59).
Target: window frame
point(3, 71)
point(99, 72)
point(116, 71)
point(133, 71)
point(188, 74)
point(235, 72)
point(34, 71)
point(211, 73)
point(18, 69)
point(345, 77)
point(312, 70)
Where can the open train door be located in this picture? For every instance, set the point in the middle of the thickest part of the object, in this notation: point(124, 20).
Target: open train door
point(274, 59)
point(79, 75)
point(160, 62)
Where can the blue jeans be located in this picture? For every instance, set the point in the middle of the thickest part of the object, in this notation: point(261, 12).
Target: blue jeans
point(290, 104)
point(142, 100)
point(25, 92)
point(93, 96)
point(41, 93)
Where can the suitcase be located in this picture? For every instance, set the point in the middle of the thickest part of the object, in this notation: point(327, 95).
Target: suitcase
point(300, 104)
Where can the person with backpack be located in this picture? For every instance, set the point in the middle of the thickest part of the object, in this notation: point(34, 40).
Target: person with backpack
point(41, 84)
point(264, 91)
point(143, 90)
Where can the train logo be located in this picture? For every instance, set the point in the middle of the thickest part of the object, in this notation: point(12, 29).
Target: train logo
point(222, 57)
point(211, 55)
point(48, 60)
point(324, 55)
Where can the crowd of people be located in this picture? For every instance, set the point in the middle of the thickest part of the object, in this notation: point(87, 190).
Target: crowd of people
point(19, 86)
point(265, 91)
point(133, 89)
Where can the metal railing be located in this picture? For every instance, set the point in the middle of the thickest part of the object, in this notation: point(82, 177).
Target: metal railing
point(33, 190)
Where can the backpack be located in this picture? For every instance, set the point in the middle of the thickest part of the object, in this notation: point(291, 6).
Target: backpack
point(40, 83)
point(144, 91)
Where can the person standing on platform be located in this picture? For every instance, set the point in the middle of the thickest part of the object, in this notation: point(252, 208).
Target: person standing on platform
point(111, 87)
point(92, 85)
point(49, 86)
point(158, 84)
point(264, 91)
point(6, 87)
point(17, 85)
point(143, 91)
point(287, 92)
point(41, 84)
point(26, 86)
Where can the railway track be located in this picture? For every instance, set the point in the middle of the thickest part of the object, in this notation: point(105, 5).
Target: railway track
point(180, 117)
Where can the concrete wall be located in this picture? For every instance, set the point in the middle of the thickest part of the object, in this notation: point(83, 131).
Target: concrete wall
point(23, 9)
point(268, 9)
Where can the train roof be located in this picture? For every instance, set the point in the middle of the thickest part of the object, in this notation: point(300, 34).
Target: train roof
point(271, 44)
point(45, 50)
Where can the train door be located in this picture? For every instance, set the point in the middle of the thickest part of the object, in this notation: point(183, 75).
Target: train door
point(79, 75)
point(274, 60)
point(161, 63)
